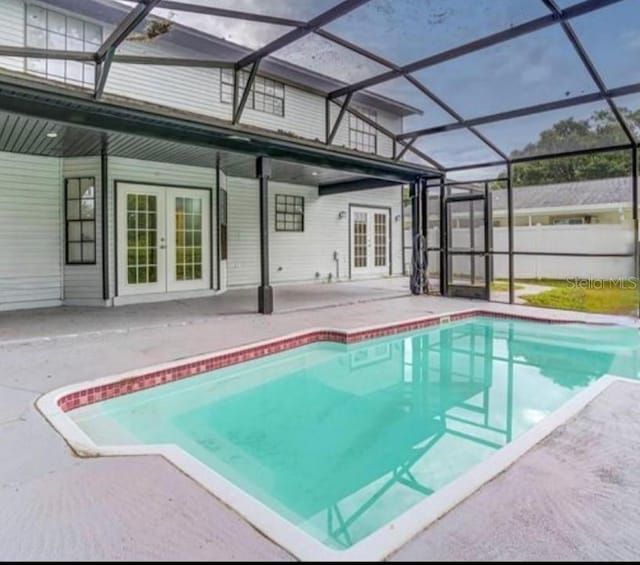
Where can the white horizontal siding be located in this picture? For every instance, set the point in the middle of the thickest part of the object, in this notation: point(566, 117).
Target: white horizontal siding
point(30, 231)
point(83, 283)
point(166, 174)
point(298, 256)
point(303, 115)
point(12, 31)
point(182, 88)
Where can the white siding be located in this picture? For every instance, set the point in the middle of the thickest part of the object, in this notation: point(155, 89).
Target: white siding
point(83, 283)
point(165, 174)
point(191, 90)
point(30, 231)
point(298, 256)
point(12, 31)
point(303, 115)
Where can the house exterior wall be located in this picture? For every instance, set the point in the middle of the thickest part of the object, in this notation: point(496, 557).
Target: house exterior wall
point(298, 256)
point(195, 90)
point(30, 231)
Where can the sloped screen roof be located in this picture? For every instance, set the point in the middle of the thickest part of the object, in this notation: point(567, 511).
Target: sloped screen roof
point(480, 81)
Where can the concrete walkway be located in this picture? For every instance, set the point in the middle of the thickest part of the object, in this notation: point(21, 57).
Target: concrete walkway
point(54, 505)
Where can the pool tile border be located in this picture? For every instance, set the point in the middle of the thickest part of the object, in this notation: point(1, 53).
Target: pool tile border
point(184, 369)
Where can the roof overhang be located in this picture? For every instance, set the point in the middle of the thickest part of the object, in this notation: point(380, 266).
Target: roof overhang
point(70, 105)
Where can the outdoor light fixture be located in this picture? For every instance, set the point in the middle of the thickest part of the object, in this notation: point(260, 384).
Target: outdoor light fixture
point(314, 173)
point(397, 218)
point(341, 214)
point(52, 134)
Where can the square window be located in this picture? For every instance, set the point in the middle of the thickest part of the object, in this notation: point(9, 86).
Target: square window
point(74, 253)
point(36, 16)
point(74, 232)
point(92, 33)
point(36, 38)
point(88, 231)
point(289, 213)
point(56, 22)
point(47, 29)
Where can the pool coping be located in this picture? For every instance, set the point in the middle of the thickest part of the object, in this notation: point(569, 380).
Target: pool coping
point(55, 404)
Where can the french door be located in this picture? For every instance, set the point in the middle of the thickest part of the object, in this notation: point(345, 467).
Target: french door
point(370, 238)
point(163, 239)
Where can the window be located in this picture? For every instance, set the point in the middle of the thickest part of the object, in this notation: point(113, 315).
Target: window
point(289, 213)
point(572, 220)
point(362, 136)
point(80, 219)
point(222, 219)
point(47, 29)
point(266, 95)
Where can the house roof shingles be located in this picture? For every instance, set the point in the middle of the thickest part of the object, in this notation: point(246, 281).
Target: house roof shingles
point(566, 195)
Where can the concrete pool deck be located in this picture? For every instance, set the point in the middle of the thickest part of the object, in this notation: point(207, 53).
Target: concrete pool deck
point(54, 505)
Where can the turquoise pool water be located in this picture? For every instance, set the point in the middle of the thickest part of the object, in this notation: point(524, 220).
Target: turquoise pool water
point(342, 439)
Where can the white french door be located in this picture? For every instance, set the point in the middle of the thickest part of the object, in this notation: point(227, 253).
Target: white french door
point(163, 239)
point(370, 238)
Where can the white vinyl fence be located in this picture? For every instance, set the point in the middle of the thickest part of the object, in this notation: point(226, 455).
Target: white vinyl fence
point(591, 238)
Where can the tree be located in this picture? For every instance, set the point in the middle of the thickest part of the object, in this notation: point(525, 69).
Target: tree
point(601, 129)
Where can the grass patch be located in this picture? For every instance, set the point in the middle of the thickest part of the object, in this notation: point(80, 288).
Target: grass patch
point(596, 296)
point(504, 286)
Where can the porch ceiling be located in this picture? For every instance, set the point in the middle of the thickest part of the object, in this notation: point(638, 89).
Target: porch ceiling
point(21, 134)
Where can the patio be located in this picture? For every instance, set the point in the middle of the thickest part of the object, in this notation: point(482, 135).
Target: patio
point(55, 505)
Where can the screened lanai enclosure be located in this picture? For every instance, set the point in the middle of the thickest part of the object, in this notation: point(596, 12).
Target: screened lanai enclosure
point(520, 128)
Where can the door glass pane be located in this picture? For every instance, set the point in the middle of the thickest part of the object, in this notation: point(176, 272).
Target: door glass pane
point(188, 223)
point(380, 225)
point(360, 239)
point(141, 239)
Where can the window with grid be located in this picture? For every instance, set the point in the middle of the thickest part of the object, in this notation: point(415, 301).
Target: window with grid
point(363, 136)
point(80, 220)
point(48, 29)
point(266, 95)
point(289, 212)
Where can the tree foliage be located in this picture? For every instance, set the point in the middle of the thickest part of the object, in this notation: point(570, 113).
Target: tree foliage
point(601, 129)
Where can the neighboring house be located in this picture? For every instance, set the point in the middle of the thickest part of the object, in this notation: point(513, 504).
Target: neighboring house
point(602, 201)
point(178, 220)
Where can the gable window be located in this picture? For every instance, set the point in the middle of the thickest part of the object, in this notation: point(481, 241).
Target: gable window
point(289, 212)
point(80, 220)
point(48, 29)
point(266, 95)
point(363, 136)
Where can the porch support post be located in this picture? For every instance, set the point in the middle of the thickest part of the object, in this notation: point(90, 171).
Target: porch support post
point(510, 231)
point(265, 292)
point(634, 215)
point(416, 248)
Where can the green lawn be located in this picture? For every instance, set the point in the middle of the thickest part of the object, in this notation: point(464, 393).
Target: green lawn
point(598, 296)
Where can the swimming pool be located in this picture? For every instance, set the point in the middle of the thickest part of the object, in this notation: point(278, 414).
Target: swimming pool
point(333, 445)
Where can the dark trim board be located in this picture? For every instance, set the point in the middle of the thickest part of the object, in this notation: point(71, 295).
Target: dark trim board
point(115, 219)
point(217, 216)
point(373, 207)
point(104, 214)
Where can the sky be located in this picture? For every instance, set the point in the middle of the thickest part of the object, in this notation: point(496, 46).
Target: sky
point(533, 69)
